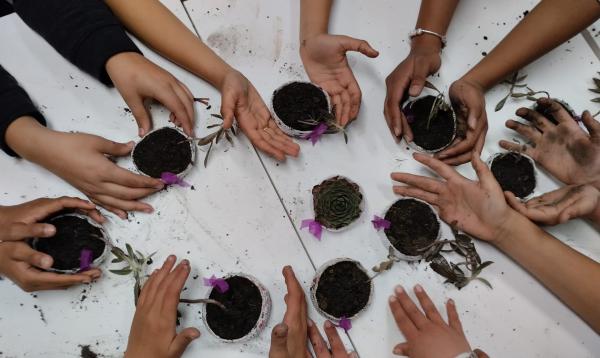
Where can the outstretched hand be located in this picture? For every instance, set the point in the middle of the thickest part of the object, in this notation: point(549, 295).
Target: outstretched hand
point(241, 101)
point(325, 61)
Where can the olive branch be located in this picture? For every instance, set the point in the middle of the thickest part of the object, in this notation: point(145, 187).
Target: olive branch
point(214, 138)
point(516, 82)
point(597, 91)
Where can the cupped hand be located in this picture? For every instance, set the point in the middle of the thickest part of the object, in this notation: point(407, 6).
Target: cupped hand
point(475, 207)
point(408, 78)
point(153, 330)
point(468, 100)
point(24, 265)
point(240, 100)
point(561, 205)
point(84, 161)
point(564, 150)
point(427, 334)
point(138, 79)
point(325, 62)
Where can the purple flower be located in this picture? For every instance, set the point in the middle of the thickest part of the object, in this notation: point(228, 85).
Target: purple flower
point(345, 324)
point(316, 133)
point(85, 260)
point(314, 227)
point(380, 223)
point(221, 285)
point(170, 179)
point(409, 114)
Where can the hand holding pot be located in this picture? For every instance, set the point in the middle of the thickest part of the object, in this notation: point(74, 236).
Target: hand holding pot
point(138, 79)
point(564, 150)
point(240, 99)
point(561, 205)
point(22, 264)
point(325, 61)
point(153, 330)
point(427, 334)
point(408, 78)
point(468, 100)
point(476, 207)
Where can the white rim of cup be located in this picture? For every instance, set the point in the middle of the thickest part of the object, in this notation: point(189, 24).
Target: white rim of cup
point(418, 148)
point(315, 285)
point(386, 242)
point(192, 148)
point(99, 260)
point(265, 311)
point(361, 205)
point(284, 127)
point(535, 171)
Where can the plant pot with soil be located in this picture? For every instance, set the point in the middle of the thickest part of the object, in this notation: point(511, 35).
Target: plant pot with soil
point(79, 243)
point(341, 289)
point(164, 150)
point(248, 307)
point(337, 203)
point(515, 172)
point(545, 111)
point(413, 226)
point(432, 121)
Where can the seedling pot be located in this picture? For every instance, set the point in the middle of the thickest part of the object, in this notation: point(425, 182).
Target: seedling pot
point(532, 192)
point(425, 138)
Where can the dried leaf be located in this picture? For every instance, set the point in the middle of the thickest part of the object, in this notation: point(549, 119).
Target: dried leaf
point(213, 126)
point(597, 82)
point(596, 100)
point(117, 260)
point(521, 79)
point(518, 95)
point(501, 104)
point(129, 251)
point(123, 272)
point(228, 137)
point(216, 115)
point(595, 90)
point(486, 282)
point(207, 153)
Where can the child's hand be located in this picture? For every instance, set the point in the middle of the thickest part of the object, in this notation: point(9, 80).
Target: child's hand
point(561, 205)
point(22, 264)
point(137, 79)
point(335, 349)
point(469, 102)
point(153, 331)
point(324, 58)
point(476, 207)
point(427, 335)
point(241, 100)
point(564, 150)
point(408, 78)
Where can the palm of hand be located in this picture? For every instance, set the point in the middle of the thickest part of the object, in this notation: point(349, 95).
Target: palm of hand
point(325, 60)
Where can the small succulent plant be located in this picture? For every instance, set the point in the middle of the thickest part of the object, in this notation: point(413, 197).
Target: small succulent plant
point(336, 202)
point(136, 264)
point(516, 81)
point(597, 91)
point(215, 137)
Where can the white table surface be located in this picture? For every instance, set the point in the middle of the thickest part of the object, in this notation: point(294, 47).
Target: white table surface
point(235, 221)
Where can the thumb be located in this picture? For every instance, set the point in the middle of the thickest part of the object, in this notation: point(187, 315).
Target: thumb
point(21, 231)
point(420, 73)
point(140, 113)
point(227, 110)
point(362, 46)
point(279, 341)
point(114, 148)
point(182, 340)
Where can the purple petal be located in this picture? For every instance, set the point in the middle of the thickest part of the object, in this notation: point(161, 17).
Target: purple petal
point(345, 324)
point(409, 114)
point(220, 284)
point(85, 259)
point(316, 133)
point(314, 227)
point(380, 223)
point(172, 179)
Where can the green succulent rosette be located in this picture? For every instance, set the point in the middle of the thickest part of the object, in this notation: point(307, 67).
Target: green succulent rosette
point(337, 202)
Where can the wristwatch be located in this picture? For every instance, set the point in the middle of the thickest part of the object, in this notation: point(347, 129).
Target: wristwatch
point(420, 31)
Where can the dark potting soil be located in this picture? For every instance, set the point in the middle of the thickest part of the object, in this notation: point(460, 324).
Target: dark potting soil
point(73, 234)
point(244, 304)
point(87, 352)
point(165, 150)
point(515, 173)
point(343, 289)
point(545, 111)
point(300, 101)
point(414, 225)
point(441, 128)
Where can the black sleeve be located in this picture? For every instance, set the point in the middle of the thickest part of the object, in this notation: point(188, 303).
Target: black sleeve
point(14, 103)
point(84, 31)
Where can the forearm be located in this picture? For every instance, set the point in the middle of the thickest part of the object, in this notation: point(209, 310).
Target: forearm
point(155, 25)
point(434, 16)
point(314, 17)
point(570, 275)
point(26, 137)
point(548, 25)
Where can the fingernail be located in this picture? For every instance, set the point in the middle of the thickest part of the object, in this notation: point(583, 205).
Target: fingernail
point(96, 275)
point(281, 330)
point(418, 288)
point(399, 290)
point(397, 132)
point(185, 263)
point(194, 334)
point(393, 298)
point(46, 262)
point(451, 301)
point(141, 132)
point(397, 350)
point(49, 230)
point(328, 324)
point(353, 354)
point(148, 210)
point(159, 185)
point(310, 322)
point(171, 258)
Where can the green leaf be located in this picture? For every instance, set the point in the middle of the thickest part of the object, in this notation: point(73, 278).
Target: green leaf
point(481, 267)
point(520, 85)
point(228, 137)
point(207, 153)
point(345, 136)
point(130, 251)
point(216, 115)
point(518, 95)
point(117, 260)
point(501, 103)
point(486, 282)
point(596, 100)
point(597, 82)
point(595, 90)
point(521, 79)
point(122, 272)
point(213, 126)
point(531, 98)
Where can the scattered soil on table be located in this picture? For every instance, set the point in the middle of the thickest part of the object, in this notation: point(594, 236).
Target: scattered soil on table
point(300, 101)
point(336, 202)
point(165, 150)
point(244, 304)
point(86, 352)
point(545, 111)
point(73, 234)
point(343, 289)
point(515, 173)
point(414, 225)
point(441, 128)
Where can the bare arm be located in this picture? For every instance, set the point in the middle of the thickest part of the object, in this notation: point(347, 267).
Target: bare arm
point(548, 25)
point(314, 17)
